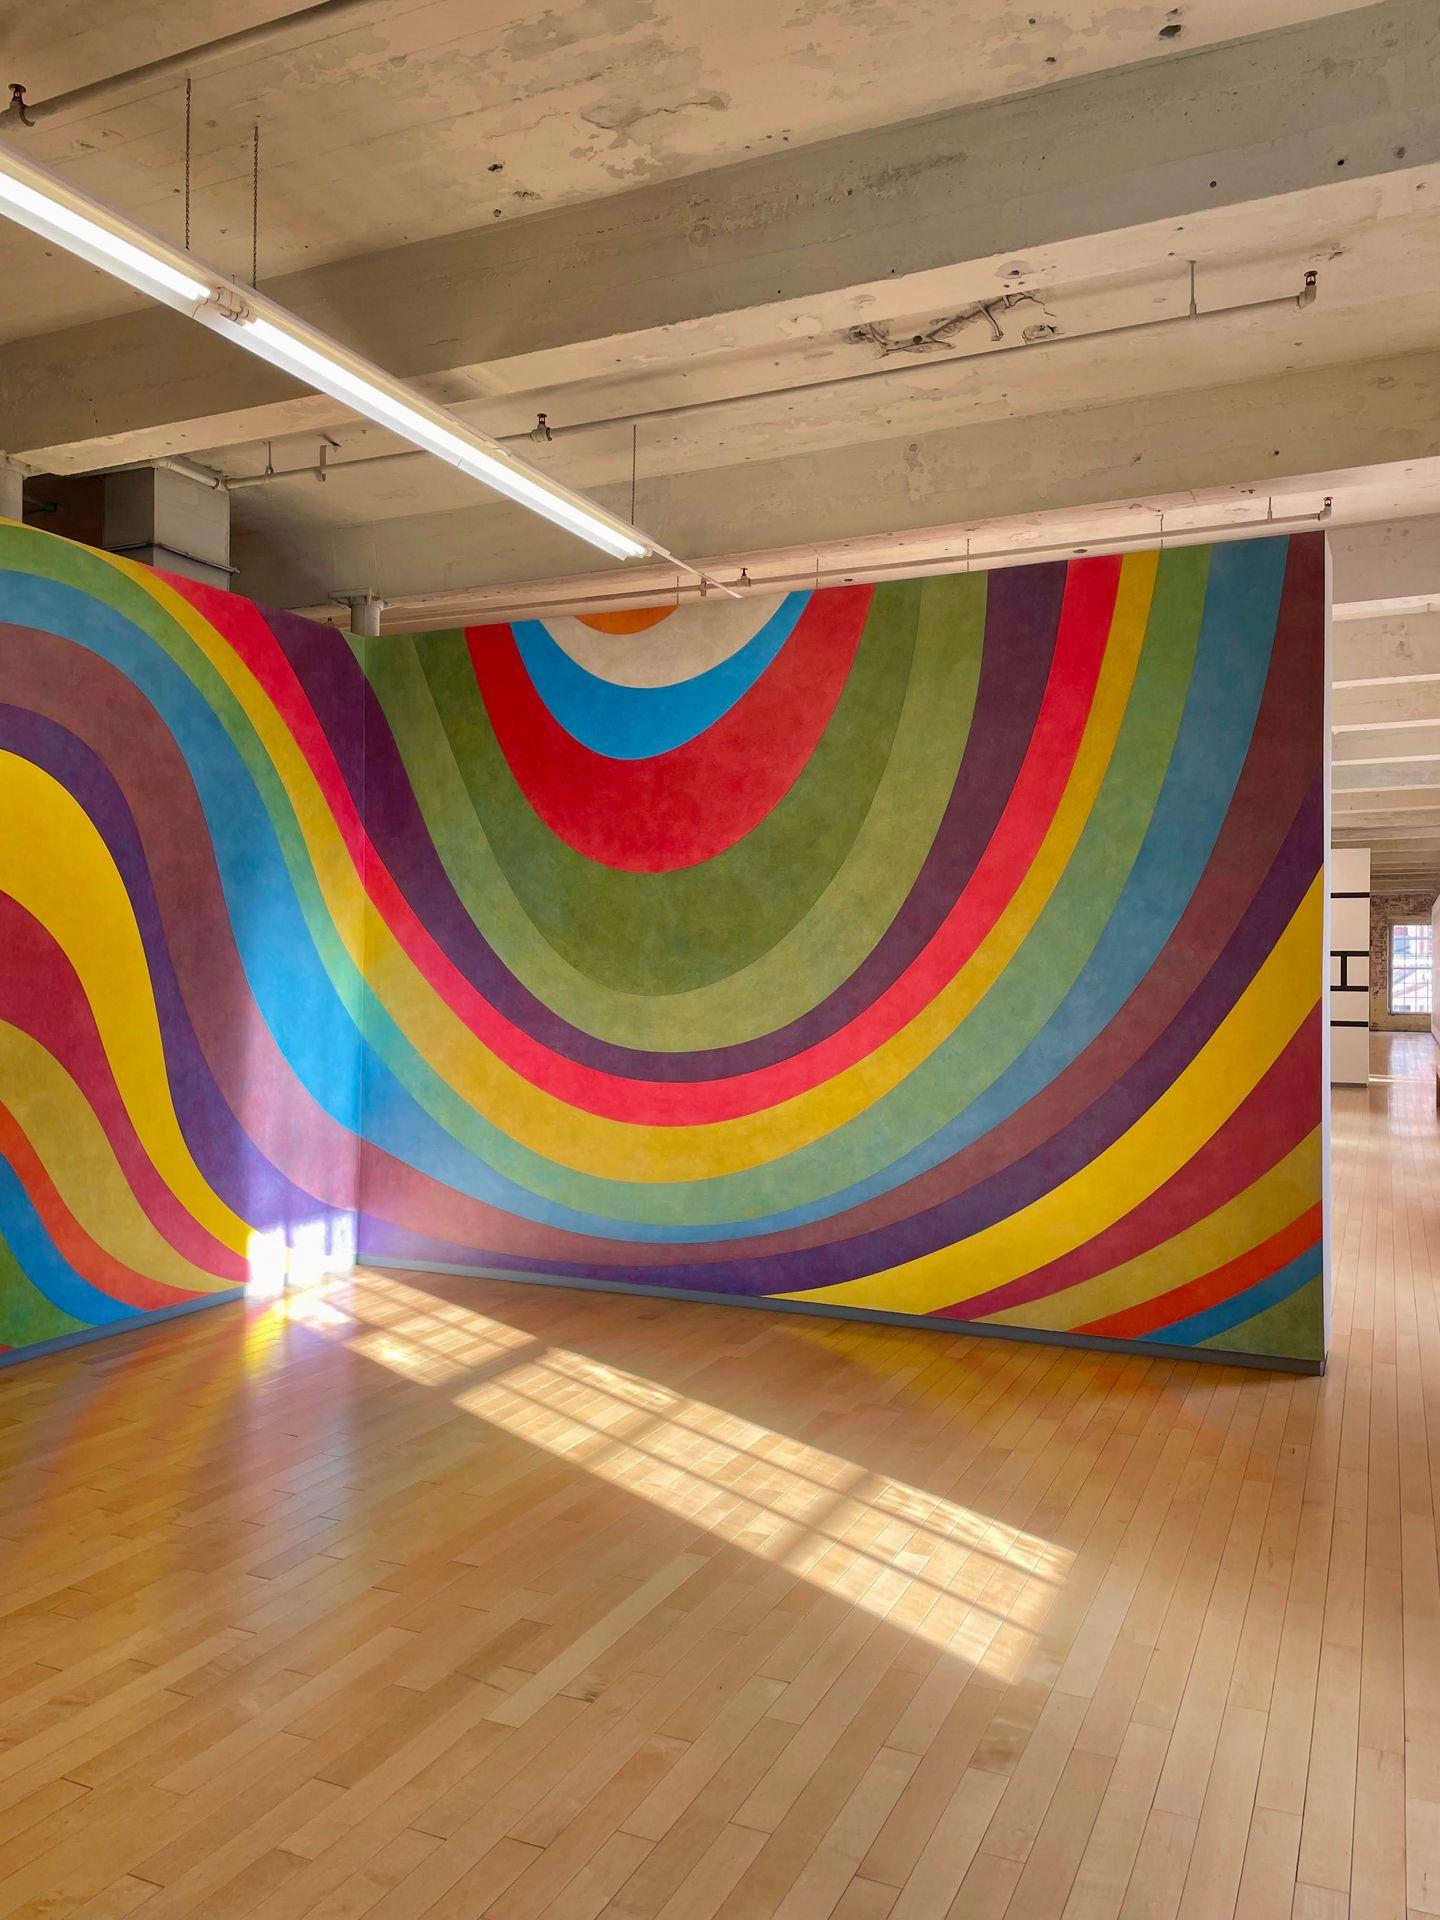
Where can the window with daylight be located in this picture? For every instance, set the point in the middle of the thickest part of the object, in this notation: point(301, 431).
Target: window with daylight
point(1411, 966)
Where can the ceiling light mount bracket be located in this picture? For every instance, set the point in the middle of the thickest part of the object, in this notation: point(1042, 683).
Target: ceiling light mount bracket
point(231, 305)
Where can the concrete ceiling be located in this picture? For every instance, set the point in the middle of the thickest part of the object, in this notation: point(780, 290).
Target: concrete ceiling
point(1385, 704)
point(662, 223)
point(413, 118)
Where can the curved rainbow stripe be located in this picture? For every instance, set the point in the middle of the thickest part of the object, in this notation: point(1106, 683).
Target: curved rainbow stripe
point(947, 948)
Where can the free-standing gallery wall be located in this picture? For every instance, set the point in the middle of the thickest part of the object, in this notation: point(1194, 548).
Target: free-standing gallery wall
point(948, 949)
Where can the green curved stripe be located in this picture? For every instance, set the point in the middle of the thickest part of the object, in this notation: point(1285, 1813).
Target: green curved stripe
point(669, 932)
point(26, 1316)
point(858, 896)
point(1026, 995)
point(77, 567)
point(1293, 1327)
point(1049, 960)
point(1028, 992)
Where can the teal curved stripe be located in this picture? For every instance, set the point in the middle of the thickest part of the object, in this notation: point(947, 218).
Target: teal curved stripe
point(26, 1316)
point(823, 944)
point(1165, 749)
point(635, 723)
point(1232, 662)
point(297, 967)
point(676, 932)
point(46, 1268)
point(1202, 1328)
point(825, 1174)
point(425, 1123)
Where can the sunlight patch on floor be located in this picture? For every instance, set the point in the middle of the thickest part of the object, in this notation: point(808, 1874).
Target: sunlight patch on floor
point(955, 1578)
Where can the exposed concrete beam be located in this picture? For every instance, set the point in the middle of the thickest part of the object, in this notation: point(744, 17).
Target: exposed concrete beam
point(1391, 789)
point(1399, 705)
point(1350, 833)
point(1297, 430)
point(928, 214)
point(1391, 834)
point(1388, 569)
point(1413, 745)
point(1386, 652)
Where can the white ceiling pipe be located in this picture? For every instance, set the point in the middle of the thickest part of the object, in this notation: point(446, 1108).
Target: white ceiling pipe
point(172, 66)
point(481, 606)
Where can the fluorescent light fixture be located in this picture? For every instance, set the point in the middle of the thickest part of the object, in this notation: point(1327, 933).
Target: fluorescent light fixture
point(36, 198)
point(97, 238)
point(288, 343)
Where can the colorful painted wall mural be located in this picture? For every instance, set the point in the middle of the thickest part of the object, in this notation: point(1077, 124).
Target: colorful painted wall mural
point(947, 948)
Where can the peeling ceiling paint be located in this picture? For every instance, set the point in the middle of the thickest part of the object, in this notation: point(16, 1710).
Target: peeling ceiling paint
point(433, 116)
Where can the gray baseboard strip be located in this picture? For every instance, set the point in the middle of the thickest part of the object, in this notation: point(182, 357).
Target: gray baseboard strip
point(980, 1329)
point(84, 1335)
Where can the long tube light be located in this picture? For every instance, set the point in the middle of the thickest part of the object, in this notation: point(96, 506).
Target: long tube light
point(36, 198)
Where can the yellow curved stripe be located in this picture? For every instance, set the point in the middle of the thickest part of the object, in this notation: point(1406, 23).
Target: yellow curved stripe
point(615, 1149)
point(1191, 1109)
point(1265, 1207)
point(54, 862)
point(62, 1127)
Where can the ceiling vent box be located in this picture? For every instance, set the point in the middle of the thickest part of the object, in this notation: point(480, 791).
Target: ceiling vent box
point(170, 521)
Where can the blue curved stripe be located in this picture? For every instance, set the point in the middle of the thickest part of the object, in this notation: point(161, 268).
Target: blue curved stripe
point(305, 1012)
point(1231, 665)
point(308, 990)
point(42, 1263)
point(1232, 653)
point(636, 723)
point(1243, 1306)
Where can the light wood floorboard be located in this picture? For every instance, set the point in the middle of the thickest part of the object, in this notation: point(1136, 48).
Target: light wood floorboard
point(423, 1599)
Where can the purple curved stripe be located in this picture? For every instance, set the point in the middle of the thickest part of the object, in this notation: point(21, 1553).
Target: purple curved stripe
point(1276, 776)
point(1003, 1193)
point(1022, 620)
point(233, 1166)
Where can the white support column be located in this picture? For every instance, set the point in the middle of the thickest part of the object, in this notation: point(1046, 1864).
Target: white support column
point(365, 611)
point(1350, 965)
point(12, 491)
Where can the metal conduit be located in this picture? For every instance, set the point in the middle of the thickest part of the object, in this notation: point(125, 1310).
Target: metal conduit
point(1290, 301)
point(446, 607)
point(171, 66)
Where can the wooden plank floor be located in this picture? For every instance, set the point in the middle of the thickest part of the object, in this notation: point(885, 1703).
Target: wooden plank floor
point(446, 1599)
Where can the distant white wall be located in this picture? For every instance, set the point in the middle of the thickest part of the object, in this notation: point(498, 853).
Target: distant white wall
point(1350, 965)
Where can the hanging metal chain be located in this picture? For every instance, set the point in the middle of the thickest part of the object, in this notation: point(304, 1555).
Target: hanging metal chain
point(255, 207)
point(187, 162)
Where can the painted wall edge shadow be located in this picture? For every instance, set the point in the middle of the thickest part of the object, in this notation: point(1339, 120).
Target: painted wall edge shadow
point(876, 1316)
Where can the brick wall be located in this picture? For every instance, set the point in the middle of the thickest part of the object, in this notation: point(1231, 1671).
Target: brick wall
point(1385, 909)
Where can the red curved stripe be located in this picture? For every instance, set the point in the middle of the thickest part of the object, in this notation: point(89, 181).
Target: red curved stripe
point(93, 700)
point(1221, 1283)
point(1275, 1116)
point(1081, 638)
point(89, 1259)
point(41, 994)
point(688, 805)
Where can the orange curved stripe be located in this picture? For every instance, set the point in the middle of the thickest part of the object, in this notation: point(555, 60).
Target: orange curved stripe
point(89, 1259)
point(1208, 1289)
point(631, 620)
